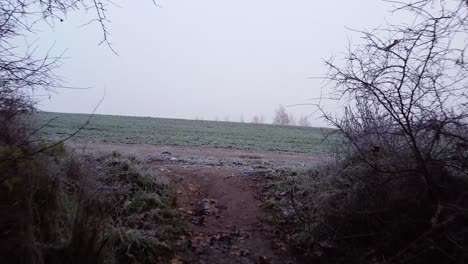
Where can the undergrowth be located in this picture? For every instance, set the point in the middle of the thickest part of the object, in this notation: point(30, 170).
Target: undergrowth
point(61, 208)
point(344, 211)
point(144, 223)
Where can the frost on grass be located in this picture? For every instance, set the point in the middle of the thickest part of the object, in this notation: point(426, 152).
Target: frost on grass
point(344, 211)
point(144, 224)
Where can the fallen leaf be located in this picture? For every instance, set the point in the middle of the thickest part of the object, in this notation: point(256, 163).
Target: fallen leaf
point(174, 201)
point(176, 260)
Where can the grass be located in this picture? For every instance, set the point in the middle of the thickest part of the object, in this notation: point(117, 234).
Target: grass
point(145, 225)
point(74, 209)
point(178, 132)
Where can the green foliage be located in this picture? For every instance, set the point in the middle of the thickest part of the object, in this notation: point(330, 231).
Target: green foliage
point(158, 131)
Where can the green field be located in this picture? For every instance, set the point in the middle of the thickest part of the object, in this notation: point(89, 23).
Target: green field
point(178, 132)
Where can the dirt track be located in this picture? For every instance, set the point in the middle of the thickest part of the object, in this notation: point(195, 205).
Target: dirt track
point(216, 192)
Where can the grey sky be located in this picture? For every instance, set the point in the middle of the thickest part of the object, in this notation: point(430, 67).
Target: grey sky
point(205, 58)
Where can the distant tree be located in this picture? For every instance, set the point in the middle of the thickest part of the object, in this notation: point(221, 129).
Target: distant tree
point(242, 118)
point(258, 119)
point(227, 118)
point(304, 121)
point(292, 119)
point(255, 120)
point(262, 119)
point(282, 117)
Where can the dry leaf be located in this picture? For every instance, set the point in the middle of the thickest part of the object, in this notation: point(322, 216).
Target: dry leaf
point(176, 260)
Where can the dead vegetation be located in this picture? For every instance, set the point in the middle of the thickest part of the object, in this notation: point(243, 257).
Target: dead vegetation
point(58, 207)
point(396, 190)
point(144, 223)
point(347, 212)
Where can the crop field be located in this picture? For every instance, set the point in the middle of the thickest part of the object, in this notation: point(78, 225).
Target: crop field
point(178, 132)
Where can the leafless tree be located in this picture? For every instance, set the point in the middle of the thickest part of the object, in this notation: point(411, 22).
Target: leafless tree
point(404, 93)
point(258, 119)
point(24, 71)
point(292, 120)
point(405, 88)
point(282, 117)
point(255, 119)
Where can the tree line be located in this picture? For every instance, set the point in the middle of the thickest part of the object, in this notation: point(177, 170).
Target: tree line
point(281, 117)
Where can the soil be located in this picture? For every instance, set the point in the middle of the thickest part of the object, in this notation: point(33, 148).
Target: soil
point(216, 191)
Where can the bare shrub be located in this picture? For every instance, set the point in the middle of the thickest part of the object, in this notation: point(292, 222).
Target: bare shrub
point(406, 94)
point(396, 190)
point(347, 212)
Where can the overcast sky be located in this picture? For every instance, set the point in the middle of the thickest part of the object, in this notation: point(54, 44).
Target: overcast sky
point(206, 58)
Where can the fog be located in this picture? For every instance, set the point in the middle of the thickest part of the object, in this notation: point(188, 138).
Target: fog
point(203, 59)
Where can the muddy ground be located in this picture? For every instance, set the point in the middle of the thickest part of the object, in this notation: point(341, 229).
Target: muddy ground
point(216, 191)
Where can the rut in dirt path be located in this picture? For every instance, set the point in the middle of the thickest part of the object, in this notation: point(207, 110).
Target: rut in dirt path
point(224, 217)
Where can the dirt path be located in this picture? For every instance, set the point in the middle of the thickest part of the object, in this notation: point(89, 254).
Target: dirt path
point(225, 221)
point(216, 192)
point(197, 154)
